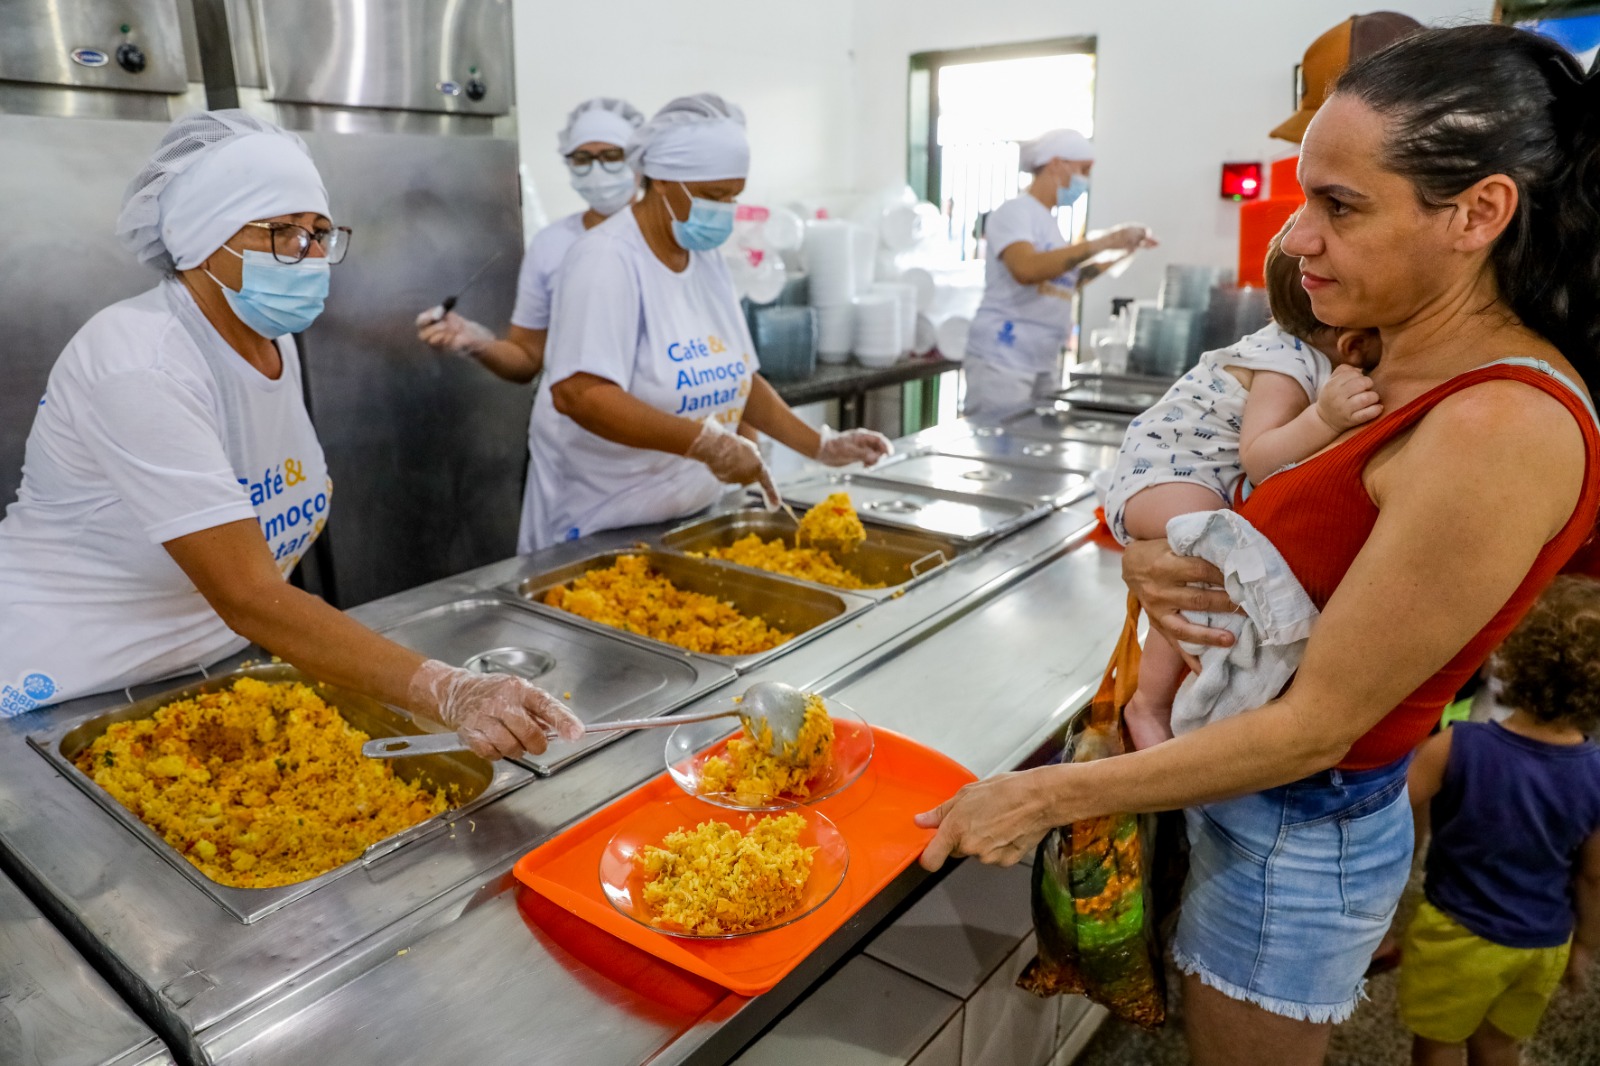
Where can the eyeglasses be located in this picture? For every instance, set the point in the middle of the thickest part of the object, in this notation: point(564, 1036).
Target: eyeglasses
point(611, 160)
point(292, 243)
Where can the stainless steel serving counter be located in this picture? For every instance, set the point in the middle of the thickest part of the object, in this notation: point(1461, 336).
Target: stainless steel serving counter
point(54, 1009)
point(434, 955)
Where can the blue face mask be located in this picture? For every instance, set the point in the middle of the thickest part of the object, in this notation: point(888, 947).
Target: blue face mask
point(276, 298)
point(1072, 191)
point(709, 225)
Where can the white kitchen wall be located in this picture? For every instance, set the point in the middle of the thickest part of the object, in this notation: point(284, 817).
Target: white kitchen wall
point(787, 65)
point(1183, 85)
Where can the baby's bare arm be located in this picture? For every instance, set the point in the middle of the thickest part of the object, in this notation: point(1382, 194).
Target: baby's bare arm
point(1281, 425)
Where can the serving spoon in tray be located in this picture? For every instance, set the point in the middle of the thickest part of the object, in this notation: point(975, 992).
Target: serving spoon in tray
point(781, 708)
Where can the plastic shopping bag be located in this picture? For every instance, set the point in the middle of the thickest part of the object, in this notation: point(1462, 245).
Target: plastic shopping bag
point(1093, 907)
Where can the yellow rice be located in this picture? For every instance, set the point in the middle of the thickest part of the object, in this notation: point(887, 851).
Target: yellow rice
point(630, 595)
point(832, 522)
point(258, 786)
point(808, 564)
point(752, 774)
point(714, 879)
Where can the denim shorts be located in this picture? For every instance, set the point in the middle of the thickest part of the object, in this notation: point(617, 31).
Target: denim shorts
point(1290, 890)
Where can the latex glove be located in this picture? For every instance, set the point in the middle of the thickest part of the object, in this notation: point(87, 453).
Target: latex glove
point(498, 715)
point(852, 446)
point(1129, 237)
point(732, 459)
point(452, 333)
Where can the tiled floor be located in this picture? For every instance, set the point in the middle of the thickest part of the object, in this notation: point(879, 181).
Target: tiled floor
point(1569, 1036)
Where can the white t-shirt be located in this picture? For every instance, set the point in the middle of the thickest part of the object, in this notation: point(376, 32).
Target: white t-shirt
point(678, 342)
point(151, 428)
point(1021, 326)
point(536, 282)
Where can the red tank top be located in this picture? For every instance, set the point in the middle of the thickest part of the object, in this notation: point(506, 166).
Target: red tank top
point(1318, 515)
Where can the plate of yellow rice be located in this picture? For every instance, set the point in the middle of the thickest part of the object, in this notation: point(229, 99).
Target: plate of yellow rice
point(687, 869)
point(831, 752)
point(259, 785)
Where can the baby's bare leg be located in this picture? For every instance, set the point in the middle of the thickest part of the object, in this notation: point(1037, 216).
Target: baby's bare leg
point(1149, 714)
point(1149, 510)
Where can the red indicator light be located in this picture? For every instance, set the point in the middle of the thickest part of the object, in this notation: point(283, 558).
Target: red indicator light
point(1241, 181)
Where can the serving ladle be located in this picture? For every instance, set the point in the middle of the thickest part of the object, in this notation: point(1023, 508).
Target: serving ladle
point(780, 708)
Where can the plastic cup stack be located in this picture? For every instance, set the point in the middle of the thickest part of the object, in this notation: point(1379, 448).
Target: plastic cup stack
point(905, 296)
point(952, 336)
point(830, 256)
point(877, 329)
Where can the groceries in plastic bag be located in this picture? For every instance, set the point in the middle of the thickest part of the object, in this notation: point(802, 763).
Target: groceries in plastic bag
point(1092, 901)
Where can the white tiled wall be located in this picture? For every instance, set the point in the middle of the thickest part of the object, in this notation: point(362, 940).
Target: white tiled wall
point(867, 1014)
point(957, 935)
point(1006, 1026)
point(938, 988)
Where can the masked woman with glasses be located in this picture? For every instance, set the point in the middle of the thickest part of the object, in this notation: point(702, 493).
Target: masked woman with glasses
point(650, 370)
point(593, 145)
point(173, 479)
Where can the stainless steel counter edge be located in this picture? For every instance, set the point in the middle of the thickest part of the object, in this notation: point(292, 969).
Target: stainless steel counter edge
point(614, 1023)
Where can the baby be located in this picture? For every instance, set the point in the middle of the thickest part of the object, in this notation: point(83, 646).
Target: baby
point(1269, 401)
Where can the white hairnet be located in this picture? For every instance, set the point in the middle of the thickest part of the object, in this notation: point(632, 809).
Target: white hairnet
point(604, 119)
point(1056, 144)
point(212, 172)
point(693, 138)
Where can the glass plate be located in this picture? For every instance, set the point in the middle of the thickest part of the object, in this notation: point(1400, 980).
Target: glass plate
point(691, 744)
point(622, 880)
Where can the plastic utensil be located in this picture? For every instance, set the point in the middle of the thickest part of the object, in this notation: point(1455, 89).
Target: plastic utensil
point(782, 706)
point(450, 301)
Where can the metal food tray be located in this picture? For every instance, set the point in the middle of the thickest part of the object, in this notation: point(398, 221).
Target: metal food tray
point(893, 557)
point(600, 677)
point(478, 781)
point(954, 473)
point(961, 516)
point(1121, 393)
point(1071, 455)
point(1060, 422)
point(795, 607)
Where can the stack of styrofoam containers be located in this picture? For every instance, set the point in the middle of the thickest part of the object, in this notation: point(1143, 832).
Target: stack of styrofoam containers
point(877, 329)
point(830, 257)
point(905, 295)
point(947, 298)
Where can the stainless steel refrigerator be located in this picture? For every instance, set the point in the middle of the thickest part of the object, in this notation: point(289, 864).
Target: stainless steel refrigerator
point(406, 106)
point(86, 90)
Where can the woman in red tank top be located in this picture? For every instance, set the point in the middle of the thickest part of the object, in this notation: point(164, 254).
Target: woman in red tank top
point(1453, 185)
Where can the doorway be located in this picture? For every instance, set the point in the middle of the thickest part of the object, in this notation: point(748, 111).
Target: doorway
point(970, 107)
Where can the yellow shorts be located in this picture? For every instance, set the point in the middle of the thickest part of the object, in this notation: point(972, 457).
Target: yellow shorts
point(1452, 981)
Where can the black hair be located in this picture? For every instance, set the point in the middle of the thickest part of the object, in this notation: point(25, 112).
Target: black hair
point(1470, 101)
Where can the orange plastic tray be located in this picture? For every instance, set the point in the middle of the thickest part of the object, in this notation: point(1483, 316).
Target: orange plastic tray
point(874, 815)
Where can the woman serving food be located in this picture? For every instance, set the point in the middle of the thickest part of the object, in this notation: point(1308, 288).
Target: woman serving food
point(173, 480)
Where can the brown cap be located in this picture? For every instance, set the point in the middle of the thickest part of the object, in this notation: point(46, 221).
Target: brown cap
point(1355, 38)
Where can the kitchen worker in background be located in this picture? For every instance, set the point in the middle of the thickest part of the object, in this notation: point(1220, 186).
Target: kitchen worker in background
point(650, 369)
point(593, 144)
point(1032, 275)
point(172, 478)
